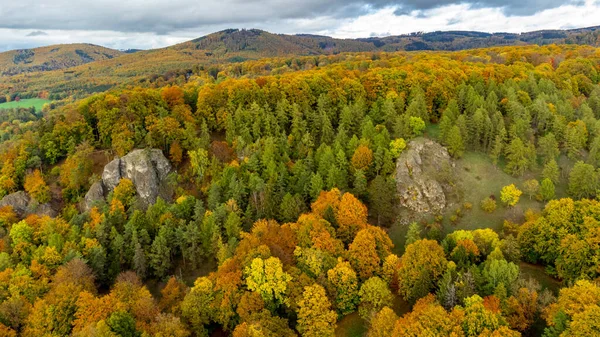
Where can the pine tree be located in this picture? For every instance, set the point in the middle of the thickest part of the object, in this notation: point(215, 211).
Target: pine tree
point(548, 147)
point(516, 156)
point(583, 181)
point(413, 234)
point(445, 126)
point(160, 253)
point(547, 190)
point(381, 196)
point(594, 155)
point(316, 186)
point(575, 138)
point(360, 183)
point(551, 171)
point(497, 149)
point(327, 133)
point(456, 145)
point(417, 106)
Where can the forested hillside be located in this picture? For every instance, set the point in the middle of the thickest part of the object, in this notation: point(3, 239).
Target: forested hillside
point(52, 58)
point(212, 52)
point(279, 211)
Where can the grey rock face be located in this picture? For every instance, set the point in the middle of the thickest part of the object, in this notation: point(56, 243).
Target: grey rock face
point(417, 171)
point(112, 174)
point(23, 205)
point(43, 209)
point(95, 193)
point(147, 169)
point(18, 200)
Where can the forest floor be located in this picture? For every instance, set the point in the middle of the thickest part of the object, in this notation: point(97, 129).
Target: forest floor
point(353, 325)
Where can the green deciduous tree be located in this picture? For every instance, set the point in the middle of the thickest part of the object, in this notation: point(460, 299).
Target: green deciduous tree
point(197, 307)
point(531, 187)
point(374, 295)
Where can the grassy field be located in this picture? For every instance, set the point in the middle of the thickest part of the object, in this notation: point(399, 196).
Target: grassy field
point(38, 103)
point(476, 179)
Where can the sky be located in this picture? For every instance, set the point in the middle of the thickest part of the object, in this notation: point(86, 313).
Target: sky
point(146, 24)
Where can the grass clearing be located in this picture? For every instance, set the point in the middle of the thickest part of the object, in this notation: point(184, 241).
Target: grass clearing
point(37, 103)
point(353, 325)
point(477, 178)
point(538, 273)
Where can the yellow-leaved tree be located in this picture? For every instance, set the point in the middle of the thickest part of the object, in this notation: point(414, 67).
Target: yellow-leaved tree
point(510, 195)
point(267, 278)
point(315, 317)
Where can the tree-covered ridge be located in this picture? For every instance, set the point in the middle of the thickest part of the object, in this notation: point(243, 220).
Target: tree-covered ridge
point(285, 182)
point(52, 58)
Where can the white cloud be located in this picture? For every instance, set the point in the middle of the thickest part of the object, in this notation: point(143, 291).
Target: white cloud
point(463, 17)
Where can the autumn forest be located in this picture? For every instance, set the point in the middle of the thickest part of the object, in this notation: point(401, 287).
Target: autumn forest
point(358, 193)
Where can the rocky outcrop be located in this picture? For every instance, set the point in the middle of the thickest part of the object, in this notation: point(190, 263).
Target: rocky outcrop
point(147, 169)
point(93, 195)
point(419, 177)
point(23, 205)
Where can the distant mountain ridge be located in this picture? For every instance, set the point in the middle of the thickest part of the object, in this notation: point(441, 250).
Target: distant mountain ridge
point(82, 69)
point(52, 57)
point(255, 40)
point(237, 45)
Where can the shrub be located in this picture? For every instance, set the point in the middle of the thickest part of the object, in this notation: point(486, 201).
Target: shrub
point(488, 205)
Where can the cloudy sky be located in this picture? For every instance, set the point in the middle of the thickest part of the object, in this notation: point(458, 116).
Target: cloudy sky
point(144, 24)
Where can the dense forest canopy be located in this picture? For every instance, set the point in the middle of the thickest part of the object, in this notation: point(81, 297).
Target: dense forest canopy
point(282, 216)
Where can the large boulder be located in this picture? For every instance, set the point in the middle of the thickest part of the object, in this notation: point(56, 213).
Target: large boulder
point(421, 177)
point(146, 168)
point(23, 205)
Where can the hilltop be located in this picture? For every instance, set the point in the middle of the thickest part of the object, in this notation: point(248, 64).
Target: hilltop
point(53, 57)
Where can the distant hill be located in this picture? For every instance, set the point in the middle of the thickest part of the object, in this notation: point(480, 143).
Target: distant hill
point(255, 43)
point(52, 58)
point(104, 70)
point(460, 40)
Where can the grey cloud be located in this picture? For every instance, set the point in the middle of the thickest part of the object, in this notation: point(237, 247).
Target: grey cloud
point(164, 17)
point(509, 7)
point(37, 33)
point(454, 21)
